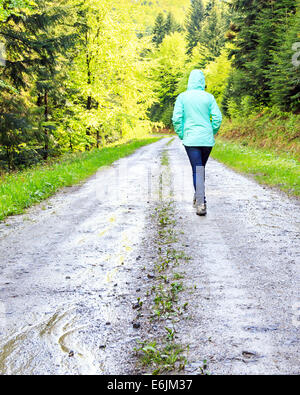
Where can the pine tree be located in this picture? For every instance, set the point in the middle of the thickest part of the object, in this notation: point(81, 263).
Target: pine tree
point(159, 30)
point(33, 42)
point(194, 20)
point(284, 72)
point(171, 26)
point(209, 6)
point(48, 82)
point(259, 29)
point(212, 35)
point(15, 125)
point(163, 27)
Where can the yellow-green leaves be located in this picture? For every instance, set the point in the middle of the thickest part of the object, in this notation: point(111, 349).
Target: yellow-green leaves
point(217, 73)
point(110, 69)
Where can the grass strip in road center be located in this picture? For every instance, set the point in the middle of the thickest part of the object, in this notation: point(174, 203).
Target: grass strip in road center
point(21, 190)
point(161, 353)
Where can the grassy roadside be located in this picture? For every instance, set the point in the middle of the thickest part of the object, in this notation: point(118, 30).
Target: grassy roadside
point(268, 130)
point(21, 190)
point(267, 167)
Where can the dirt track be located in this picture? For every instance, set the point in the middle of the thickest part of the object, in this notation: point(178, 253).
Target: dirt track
point(72, 268)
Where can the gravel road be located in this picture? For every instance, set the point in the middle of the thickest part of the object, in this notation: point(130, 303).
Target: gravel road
point(72, 267)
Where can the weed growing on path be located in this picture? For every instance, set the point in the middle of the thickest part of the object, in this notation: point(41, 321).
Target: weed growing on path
point(163, 354)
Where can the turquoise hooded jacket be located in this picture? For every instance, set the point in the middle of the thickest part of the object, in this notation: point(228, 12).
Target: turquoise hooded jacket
point(197, 117)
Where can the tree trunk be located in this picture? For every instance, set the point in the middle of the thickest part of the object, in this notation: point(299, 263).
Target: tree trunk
point(89, 103)
point(98, 138)
point(89, 99)
point(39, 101)
point(46, 118)
point(70, 143)
point(9, 154)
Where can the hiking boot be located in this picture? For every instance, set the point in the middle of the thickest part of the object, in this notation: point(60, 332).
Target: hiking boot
point(201, 209)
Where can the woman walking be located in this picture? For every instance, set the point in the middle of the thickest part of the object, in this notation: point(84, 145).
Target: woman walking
point(197, 119)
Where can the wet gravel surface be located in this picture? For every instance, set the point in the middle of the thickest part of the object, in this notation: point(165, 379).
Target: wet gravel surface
point(73, 267)
point(244, 312)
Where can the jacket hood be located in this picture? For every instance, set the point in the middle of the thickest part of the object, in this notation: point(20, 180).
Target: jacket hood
point(196, 80)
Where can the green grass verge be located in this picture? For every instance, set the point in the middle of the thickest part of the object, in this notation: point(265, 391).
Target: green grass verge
point(268, 130)
point(21, 190)
point(267, 167)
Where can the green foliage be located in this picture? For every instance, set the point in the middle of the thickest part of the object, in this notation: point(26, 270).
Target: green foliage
point(161, 358)
point(149, 9)
point(16, 130)
point(194, 20)
point(269, 128)
point(247, 107)
point(14, 7)
point(212, 35)
point(206, 27)
point(80, 71)
point(285, 68)
point(80, 75)
point(159, 31)
point(169, 67)
point(217, 73)
point(32, 43)
point(164, 27)
point(264, 34)
point(210, 54)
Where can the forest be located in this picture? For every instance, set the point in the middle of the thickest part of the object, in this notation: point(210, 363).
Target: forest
point(77, 75)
